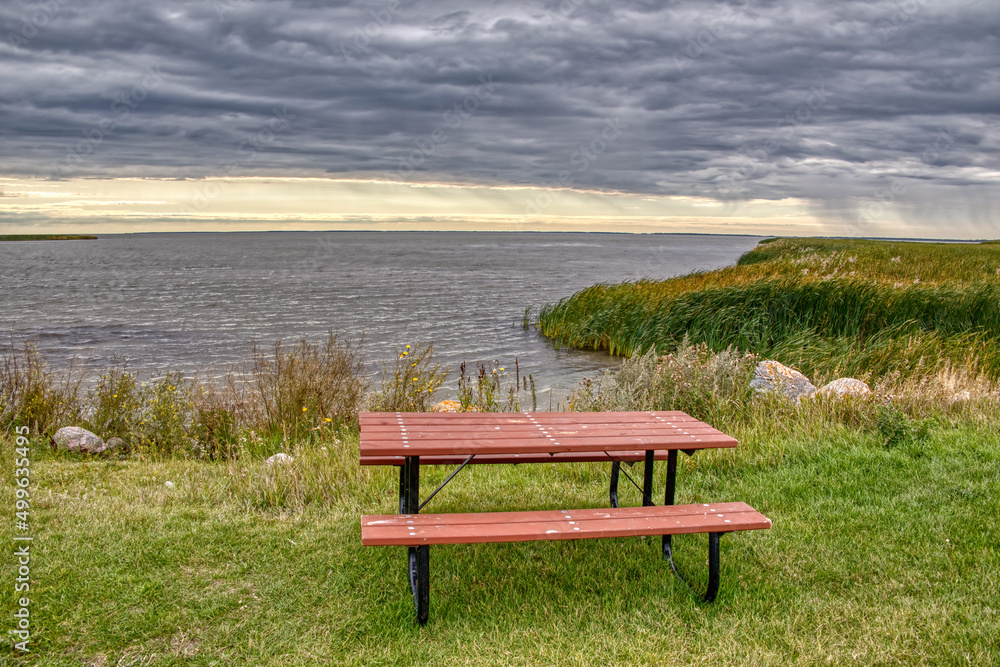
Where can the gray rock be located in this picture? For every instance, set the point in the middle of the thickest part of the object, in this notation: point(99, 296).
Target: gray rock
point(80, 440)
point(114, 443)
point(844, 387)
point(280, 457)
point(771, 376)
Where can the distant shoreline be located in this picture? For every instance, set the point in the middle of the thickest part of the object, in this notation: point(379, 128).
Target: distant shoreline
point(46, 237)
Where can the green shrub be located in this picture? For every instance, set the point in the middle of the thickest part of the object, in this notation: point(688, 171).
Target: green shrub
point(117, 404)
point(408, 383)
point(32, 395)
point(167, 414)
point(308, 385)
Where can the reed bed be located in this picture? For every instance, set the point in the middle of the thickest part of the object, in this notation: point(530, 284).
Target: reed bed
point(829, 307)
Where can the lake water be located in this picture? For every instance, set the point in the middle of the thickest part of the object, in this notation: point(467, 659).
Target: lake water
point(195, 302)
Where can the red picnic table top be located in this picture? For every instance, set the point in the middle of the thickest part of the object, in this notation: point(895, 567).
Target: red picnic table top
point(511, 433)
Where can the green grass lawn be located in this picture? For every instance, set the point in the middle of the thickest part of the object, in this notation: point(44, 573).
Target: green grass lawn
point(877, 555)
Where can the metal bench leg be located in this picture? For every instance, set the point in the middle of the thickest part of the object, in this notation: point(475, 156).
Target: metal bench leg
point(418, 558)
point(404, 477)
point(420, 581)
point(616, 467)
point(647, 479)
point(668, 496)
point(713, 565)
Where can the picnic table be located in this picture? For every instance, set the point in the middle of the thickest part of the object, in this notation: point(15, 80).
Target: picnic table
point(411, 439)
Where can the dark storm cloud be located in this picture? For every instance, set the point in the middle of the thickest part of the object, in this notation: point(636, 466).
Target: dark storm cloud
point(745, 99)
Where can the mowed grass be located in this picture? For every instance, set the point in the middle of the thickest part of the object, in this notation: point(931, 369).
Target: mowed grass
point(878, 555)
point(826, 306)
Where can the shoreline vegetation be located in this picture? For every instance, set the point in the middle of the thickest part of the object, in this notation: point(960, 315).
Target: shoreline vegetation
point(829, 307)
point(47, 237)
point(188, 546)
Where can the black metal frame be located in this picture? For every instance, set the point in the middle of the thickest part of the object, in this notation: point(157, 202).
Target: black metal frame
point(419, 557)
point(668, 499)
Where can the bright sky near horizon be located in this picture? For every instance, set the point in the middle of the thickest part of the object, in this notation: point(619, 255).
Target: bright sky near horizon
point(875, 118)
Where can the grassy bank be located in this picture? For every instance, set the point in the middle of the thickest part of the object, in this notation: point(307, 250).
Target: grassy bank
point(46, 237)
point(883, 550)
point(828, 307)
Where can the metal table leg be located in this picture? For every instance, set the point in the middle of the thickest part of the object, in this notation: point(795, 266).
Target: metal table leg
point(418, 557)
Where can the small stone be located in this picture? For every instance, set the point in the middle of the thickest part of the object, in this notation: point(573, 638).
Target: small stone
point(452, 406)
point(113, 443)
point(79, 440)
point(280, 457)
point(168, 484)
point(772, 376)
point(844, 387)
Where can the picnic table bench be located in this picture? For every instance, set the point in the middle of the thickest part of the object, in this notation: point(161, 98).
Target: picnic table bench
point(409, 440)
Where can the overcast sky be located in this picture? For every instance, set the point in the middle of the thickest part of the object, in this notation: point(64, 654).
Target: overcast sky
point(753, 116)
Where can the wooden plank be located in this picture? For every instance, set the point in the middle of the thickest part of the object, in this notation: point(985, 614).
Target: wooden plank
point(387, 434)
point(388, 418)
point(561, 457)
point(459, 432)
point(418, 529)
point(542, 444)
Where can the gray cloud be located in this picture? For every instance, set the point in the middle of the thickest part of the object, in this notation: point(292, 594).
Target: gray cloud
point(719, 99)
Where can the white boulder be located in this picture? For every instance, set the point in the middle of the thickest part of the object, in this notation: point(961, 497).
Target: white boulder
point(78, 440)
point(772, 376)
point(842, 387)
point(279, 458)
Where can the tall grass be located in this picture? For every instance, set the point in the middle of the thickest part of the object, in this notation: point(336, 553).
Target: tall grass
point(274, 400)
point(304, 386)
point(830, 306)
point(409, 382)
point(490, 388)
point(715, 387)
point(32, 394)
